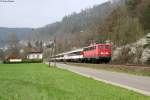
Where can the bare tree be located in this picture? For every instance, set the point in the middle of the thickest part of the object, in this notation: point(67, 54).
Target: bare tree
point(13, 44)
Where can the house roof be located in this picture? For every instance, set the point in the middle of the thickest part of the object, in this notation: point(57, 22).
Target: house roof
point(12, 56)
point(34, 50)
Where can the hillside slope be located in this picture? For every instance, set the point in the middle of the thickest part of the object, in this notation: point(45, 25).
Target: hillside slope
point(121, 21)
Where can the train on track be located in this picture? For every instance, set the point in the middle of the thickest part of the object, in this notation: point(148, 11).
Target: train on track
point(97, 53)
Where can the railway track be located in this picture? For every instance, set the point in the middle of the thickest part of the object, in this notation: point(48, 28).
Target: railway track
point(139, 66)
point(133, 67)
point(127, 65)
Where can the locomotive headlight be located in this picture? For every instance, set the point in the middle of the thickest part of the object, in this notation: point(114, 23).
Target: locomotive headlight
point(102, 53)
point(106, 53)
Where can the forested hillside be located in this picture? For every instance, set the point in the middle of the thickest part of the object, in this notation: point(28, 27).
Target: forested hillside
point(128, 22)
point(121, 21)
point(77, 29)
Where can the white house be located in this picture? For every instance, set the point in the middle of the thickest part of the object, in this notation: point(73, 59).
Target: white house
point(35, 54)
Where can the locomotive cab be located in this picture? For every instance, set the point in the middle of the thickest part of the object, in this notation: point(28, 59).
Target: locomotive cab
point(98, 53)
point(104, 50)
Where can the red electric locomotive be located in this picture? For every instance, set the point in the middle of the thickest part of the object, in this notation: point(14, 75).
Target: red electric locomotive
point(97, 53)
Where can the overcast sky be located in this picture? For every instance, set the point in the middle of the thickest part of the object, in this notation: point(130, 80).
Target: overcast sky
point(37, 13)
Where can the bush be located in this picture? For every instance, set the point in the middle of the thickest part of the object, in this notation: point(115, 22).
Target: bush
point(32, 61)
point(148, 61)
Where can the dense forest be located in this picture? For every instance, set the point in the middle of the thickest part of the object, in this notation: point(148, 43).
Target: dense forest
point(120, 21)
point(128, 22)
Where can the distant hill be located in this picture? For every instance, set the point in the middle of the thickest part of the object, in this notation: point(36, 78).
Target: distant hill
point(22, 33)
point(68, 29)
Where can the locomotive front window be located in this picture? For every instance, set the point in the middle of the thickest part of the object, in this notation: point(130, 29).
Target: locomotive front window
point(104, 47)
point(101, 47)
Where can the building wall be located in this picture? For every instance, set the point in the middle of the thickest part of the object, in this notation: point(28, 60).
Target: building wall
point(15, 60)
point(35, 56)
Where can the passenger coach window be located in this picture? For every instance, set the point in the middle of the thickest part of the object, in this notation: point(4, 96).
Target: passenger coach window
point(76, 53)
point(86, 49)
point(93, 48)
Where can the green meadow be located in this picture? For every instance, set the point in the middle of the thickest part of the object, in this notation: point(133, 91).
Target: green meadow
point(39, 82)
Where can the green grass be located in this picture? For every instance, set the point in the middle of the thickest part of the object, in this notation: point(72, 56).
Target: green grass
point(38, 82)
point(141, 71)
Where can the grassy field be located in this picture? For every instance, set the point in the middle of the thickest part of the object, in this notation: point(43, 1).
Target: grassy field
point(38, 82)
point(142, 71)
